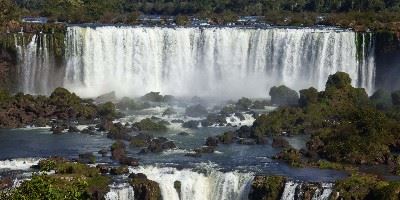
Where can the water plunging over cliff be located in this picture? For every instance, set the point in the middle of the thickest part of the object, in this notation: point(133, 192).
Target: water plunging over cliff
point(216, 62)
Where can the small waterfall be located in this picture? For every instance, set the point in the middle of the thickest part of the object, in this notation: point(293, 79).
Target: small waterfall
point(296, 190)
point(212, 184)
point(37, 68)
point(120, 192)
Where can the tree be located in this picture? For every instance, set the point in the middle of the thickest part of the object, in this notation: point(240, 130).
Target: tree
point(8, 11)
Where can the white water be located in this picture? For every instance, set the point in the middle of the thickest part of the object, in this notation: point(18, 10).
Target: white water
point(120, 192)
point(213, 185)
point(213, 62)
point(294, 190)
point(18, 163)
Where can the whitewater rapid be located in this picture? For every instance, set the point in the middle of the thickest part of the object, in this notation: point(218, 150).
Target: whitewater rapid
point(212, 62)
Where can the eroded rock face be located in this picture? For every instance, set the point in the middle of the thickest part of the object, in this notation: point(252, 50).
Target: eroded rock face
point(267, 188)
point(144, 188)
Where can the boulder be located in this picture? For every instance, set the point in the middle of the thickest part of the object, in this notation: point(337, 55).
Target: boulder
point(145, 189)
point(283, 95)
point(280, 142)
point(196, 111)
point(212, 141)
point(87, 158)
point(119, 170)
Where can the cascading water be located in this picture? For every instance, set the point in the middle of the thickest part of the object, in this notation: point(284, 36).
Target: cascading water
point(216, 62)
point(296, 190)
point(212, 185)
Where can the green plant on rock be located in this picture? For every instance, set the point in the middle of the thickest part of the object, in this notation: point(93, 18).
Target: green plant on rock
point(148, 125)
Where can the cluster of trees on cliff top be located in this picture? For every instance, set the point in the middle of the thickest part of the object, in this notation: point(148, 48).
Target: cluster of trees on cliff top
point(78, 11)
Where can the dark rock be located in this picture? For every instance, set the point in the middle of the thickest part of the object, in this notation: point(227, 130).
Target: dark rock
point(168, 145)
point(73, 129)
point(103, 152)
point(118, 150)
point(104, 169)
point(119, 170)
point(87, 158)
point(280, 142)
point(192, 124)
point(87, 131)
point(149, 125)
point(212, 141)
point(194, 155)
point(177, 186)
point(244, 132)
point(119, 132)
point(243, 104)
point(106, 97)
point(168, 112)
point(196, 111)
point(145, 189)
point(283, 95)
point(57, 129)
point(267, 188)
point(183, 134)
point(205, 149)
point(247, 141)
point(140, 140)
point(227, 137)
point(177, 121)
point(106, 125)
point(240, 116)
point(129, 161)
point(152, 96)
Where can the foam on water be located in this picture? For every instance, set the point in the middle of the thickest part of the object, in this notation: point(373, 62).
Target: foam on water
point(19, 163)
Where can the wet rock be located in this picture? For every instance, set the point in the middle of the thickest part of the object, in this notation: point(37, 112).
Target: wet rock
point(152, 96)
point(119, 132)
point(267, 188)
point(104, 169)
point(240, 116)
point(106, 97)
point(283, 95)
point(194, 155)
point(177, 186)
point(205, 149)
point(247, 141)
point(57, 129)
point(280, 142)
point(141, 140)
point(168, 145)
point(103, 152)
point(129, 161)
point(149, 125)
point(192, 124)
point(177, 121)
point(244, 132)
point(87, 158)
point(73, 129)
point(227, 137)
point(144, 188)
point(119, 170)
point(183, 134)
point(212, 141)
point(196, 111)
point(118, 150)
point(105, 125)
point(87, 131)
point(168, 112)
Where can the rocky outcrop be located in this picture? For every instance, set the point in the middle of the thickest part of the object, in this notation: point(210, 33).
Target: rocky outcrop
point(144, 188)
point(267, 188)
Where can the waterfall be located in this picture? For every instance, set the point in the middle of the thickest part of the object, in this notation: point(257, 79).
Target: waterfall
point(37, 69)
point(296, 190)
point(212, 62)
point(120, 192)
point(212, 184)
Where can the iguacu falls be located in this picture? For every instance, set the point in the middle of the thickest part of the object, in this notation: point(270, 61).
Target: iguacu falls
point(197, 113)
point(207, 62)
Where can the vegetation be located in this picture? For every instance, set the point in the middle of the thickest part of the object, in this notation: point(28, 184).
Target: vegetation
point(148, 125)
point(267, 187)
point(70, 181)
point(345, 125)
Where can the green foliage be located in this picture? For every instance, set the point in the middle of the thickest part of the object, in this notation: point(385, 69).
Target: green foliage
point(283, 95)
point(350, 127)
point(267, 187)
point(182, 20)
point(356, 186)
point(71, 181)
point(381, 99)
point(107, 110)
point(148, 125)
point(396, 98)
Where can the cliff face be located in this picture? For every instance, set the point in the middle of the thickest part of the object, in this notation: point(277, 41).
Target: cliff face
point(8, 63)
point(387, 60)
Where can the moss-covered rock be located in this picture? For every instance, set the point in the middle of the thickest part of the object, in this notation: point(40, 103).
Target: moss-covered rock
point(149, 125)
point(283, 95)
point(267, 188)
